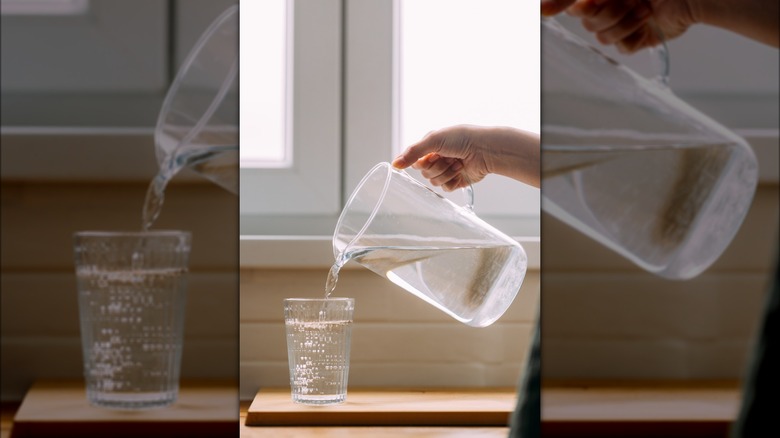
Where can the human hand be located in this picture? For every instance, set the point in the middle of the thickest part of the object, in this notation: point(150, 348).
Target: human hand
point(630, 25)
point(457, 156)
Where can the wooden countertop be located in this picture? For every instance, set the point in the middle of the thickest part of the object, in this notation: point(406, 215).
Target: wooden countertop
point(581, 409)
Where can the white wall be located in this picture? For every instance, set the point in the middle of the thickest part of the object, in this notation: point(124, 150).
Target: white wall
point(604, 318)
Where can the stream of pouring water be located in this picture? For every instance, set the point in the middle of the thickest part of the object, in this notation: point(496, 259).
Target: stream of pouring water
point(216, 163)
point(333, 275)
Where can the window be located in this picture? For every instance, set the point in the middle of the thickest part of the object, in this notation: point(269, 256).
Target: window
point(98, 90)
point(264, 65)
point(345, 112)
point(290, 196)
point(101, 35)
point(478, 67)
point(100, 85)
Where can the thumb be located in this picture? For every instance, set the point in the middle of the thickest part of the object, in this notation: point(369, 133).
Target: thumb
point(416, 151)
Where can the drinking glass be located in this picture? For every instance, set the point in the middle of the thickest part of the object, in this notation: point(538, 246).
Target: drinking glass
point(318, 338)
point(131, 293)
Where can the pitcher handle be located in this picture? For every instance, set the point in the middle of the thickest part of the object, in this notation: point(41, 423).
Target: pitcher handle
point(662, 51)
point(468, 193)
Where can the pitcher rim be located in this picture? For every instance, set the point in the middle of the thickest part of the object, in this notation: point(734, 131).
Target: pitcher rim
point(184, 68)
point(388, 174)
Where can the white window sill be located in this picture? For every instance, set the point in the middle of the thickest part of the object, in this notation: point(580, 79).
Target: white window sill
point(317, 252)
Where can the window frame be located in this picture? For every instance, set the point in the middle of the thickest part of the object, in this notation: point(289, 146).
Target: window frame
point(312, 184)
point(105, 37)
point(112, 122)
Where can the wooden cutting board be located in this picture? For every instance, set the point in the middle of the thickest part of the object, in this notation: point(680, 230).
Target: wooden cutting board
point(376, 407)
point(61, 409)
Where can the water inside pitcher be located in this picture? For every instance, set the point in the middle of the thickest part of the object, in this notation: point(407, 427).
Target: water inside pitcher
point(197, 127)
point(629, 164)
point(439, 251)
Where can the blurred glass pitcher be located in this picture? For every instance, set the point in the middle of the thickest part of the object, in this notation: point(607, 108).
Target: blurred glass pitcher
point(629, 164)
point(197, 127)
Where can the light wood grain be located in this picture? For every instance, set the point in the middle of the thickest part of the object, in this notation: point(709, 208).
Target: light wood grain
point(483, 407)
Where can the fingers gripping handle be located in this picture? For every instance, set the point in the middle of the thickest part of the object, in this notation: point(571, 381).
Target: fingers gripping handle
point(468, 193)
point(661, 50)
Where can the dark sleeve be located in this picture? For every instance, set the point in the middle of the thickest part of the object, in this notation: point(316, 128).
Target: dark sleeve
point(759, 411)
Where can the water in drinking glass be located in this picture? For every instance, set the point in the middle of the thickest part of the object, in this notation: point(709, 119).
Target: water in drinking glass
point(318, 344)
point(131, 295)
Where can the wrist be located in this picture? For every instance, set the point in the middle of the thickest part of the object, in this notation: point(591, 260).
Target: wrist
point(518, 155)
point(500, 149)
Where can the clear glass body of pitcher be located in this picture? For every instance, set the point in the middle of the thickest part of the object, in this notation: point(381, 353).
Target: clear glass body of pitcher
point(197, 126)
point(629, 164)
point(438, 251)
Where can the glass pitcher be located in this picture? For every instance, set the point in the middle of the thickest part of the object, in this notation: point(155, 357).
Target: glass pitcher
point(439, 251)
point(197, 127)
point(629, 164)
